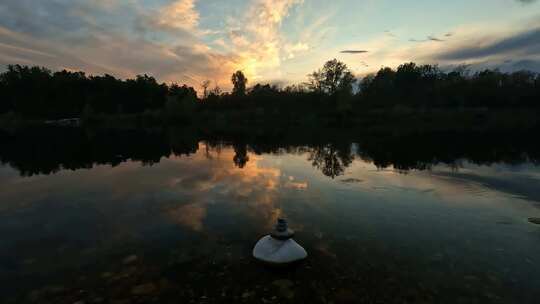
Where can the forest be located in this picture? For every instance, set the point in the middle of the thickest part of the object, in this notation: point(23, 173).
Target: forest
point(331, 96)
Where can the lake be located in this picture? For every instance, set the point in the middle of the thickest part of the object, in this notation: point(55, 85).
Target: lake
point(171, 217)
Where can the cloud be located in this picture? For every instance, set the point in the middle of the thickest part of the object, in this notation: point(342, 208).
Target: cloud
point(135, 37)
point(430, 38)
point(522, 43)
point(257, 40)
point(508, 47)
point(174, 40)
point(292, 49)
point(179, 16)
point(353, 51)
point(434, 38)
point(119, 55)
point(480, 49)
point(526, 64)
point(25, 49)
point(119, 38)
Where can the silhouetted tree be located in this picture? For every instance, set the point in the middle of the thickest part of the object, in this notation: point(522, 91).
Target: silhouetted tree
point(239, 81)
point(216, 90)
point(334, 77)
point(181, 104)
point(205, 85)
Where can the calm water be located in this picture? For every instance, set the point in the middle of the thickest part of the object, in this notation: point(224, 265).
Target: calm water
point(178, 225)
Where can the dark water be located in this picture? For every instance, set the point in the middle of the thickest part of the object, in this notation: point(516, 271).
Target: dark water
point(172, 218)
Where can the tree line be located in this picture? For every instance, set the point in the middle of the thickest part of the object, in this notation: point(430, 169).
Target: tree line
point(36, 92)
point(332, 91)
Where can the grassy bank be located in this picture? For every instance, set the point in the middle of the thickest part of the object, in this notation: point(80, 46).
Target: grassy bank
point(397, 120)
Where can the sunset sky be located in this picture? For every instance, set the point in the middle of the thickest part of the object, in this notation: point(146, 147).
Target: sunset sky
point(278, 41)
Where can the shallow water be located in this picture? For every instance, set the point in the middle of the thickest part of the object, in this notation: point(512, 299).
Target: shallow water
point(182, 227)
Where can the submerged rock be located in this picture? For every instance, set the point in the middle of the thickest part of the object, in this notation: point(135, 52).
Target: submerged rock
point(279, 247)
point(351, 180)
point(283, 283)
point(144, 289)
point(285, 288)
point(130, 259)
point(535, 220)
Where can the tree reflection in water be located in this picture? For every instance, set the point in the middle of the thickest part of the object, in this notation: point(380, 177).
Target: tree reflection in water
point(46, 150)
point(240, 155)
point(331, 159)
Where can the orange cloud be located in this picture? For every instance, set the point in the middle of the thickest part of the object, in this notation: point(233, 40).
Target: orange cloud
point(257, 39)
point(180, 14)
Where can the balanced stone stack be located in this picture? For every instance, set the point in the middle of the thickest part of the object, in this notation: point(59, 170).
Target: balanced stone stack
point(279, 248)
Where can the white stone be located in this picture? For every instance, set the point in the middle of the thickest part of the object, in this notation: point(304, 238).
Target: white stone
point(275, 251)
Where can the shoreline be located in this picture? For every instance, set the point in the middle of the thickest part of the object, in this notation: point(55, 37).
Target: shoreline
point(377, 121)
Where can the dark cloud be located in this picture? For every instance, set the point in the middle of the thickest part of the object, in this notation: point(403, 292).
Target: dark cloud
point(429, 38)
point(526, 1)
point(58, 19)
point(434, 38)
point(36, 17)
point(526, 64)
point(521, 44)
point(353, 51)
point(504, 65)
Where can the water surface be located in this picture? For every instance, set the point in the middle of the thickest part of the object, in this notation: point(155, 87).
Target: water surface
point(179, 224)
